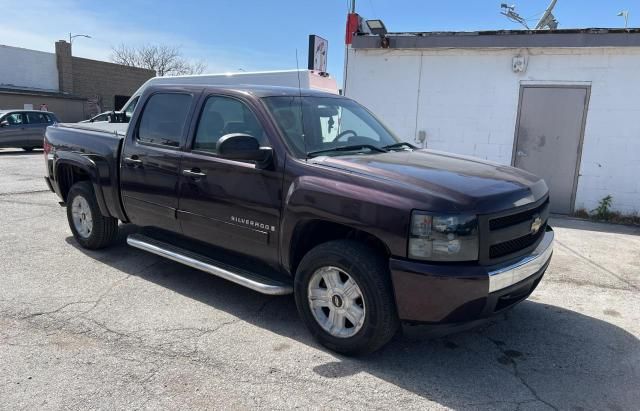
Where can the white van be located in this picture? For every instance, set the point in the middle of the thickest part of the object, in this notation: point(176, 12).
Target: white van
point(305, 79)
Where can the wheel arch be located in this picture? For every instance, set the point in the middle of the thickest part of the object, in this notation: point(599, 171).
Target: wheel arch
point(310, 233)
point(69, 171)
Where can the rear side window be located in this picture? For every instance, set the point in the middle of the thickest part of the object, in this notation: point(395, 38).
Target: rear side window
point(36, 118)
point(164, 119)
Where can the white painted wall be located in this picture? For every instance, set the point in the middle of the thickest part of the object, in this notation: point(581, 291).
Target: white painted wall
point(468, 104)
point(28, 69)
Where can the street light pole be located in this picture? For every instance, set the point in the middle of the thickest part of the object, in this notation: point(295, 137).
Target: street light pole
point(77, 35)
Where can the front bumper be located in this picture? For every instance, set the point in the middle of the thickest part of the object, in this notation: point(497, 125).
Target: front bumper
point(452, 293)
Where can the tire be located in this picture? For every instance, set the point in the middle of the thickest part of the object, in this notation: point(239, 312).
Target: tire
point(101, 231)
point(27, 149)
point(378, 320)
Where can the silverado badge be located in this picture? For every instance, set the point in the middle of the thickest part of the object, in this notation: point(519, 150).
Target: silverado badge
point(536, 224)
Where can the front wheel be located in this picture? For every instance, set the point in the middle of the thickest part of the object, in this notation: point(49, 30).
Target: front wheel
point(344, 295)
point(89, 227)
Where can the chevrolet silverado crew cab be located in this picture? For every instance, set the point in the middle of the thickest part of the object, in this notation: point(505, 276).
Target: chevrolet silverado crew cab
point(284, 190)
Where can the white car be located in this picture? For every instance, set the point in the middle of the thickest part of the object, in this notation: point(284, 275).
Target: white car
point(102, 117)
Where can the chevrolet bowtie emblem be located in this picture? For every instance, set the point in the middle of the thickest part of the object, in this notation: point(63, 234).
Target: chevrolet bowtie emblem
point(536, 224)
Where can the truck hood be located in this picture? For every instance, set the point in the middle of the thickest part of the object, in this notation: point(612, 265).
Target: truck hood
point(458, 182)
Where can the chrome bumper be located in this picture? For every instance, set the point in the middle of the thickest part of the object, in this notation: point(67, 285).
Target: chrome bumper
point(526, 267)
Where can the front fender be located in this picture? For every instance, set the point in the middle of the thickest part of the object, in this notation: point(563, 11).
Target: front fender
point(376, 212)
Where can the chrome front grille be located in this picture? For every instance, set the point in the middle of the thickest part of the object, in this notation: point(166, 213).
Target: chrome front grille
point(512, 233)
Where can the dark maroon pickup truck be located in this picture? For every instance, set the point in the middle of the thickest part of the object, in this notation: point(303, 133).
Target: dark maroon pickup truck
point(292, 191)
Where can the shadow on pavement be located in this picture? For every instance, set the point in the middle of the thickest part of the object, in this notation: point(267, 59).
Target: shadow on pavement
point(537, 356)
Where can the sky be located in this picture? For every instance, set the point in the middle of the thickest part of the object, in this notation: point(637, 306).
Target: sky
point(251, 35)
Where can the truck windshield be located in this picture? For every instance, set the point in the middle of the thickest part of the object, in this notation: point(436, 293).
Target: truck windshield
point(318, 125)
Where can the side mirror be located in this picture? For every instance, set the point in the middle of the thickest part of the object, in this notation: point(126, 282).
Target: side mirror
point(4, 123)
point(239, 146)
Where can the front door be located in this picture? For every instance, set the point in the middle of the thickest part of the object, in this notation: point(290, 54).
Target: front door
point(549, 137)
point(150, 164)
point(227, 203)
point(14, 130)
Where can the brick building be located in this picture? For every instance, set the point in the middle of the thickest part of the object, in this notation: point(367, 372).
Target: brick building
point(72, 87)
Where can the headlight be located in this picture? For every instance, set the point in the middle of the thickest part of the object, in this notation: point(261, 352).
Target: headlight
point(442, 237)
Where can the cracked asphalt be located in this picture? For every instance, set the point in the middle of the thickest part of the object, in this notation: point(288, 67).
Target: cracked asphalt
point(123, 329)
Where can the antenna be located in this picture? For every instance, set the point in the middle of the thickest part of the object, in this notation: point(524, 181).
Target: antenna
point(510, 13)
point(547, 19)
point(625, 14)
point(304, 138)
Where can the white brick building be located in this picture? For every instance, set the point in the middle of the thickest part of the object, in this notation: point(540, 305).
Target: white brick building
point(569, 112)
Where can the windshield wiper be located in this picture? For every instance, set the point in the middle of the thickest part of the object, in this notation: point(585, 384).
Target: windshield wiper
point(352, 147)
point(400, 144)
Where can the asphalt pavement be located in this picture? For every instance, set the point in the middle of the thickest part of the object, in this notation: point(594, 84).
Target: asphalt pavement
point(124, 329)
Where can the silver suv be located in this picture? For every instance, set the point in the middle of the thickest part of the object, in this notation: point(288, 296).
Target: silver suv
point(24, 128)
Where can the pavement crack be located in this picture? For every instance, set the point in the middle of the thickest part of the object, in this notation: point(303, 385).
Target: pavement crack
point(590, 261)
point(62, 307)
point(518, 375)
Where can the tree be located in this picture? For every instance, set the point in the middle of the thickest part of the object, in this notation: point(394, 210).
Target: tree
point(163, 59)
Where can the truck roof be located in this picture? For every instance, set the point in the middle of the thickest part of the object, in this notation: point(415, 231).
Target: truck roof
point(257, 90)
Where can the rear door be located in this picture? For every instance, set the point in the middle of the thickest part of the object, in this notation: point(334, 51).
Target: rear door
point(227, 203)
point(150, 163)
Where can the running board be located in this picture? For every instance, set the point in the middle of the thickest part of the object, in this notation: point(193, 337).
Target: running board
point(242, 277)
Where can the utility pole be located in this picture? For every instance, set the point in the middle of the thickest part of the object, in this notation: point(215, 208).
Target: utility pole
point(547, 19)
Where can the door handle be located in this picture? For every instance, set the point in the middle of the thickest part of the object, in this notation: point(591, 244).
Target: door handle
point(521, 154)
point(194, 173)
point(133, 161)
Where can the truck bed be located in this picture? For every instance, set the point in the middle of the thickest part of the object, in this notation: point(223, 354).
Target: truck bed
point(95, 150)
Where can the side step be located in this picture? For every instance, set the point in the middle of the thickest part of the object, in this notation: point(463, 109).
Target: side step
point(242, 277)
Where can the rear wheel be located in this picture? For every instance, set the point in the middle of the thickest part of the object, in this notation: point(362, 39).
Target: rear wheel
point(343, 293)
point(89, 227)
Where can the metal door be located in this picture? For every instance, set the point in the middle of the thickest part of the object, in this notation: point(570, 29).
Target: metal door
point(549, 138)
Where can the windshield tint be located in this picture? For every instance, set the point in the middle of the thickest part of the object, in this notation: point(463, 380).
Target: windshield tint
point(312, 124)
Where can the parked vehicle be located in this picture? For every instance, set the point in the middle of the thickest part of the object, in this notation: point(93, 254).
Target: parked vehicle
point(102, 117)
point(24, 128)
point(284, 190)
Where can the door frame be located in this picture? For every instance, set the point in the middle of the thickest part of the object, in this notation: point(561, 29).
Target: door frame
point(587, 88)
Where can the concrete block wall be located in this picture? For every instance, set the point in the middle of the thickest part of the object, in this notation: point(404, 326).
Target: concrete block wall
point(28, 68)
point(467, 102)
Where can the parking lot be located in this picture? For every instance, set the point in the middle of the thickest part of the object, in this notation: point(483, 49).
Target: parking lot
point(121, 328)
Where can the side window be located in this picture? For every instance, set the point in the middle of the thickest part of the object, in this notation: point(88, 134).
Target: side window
point(36, 118)
point(164, 119)
point(225, 115)
point(14, 119)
